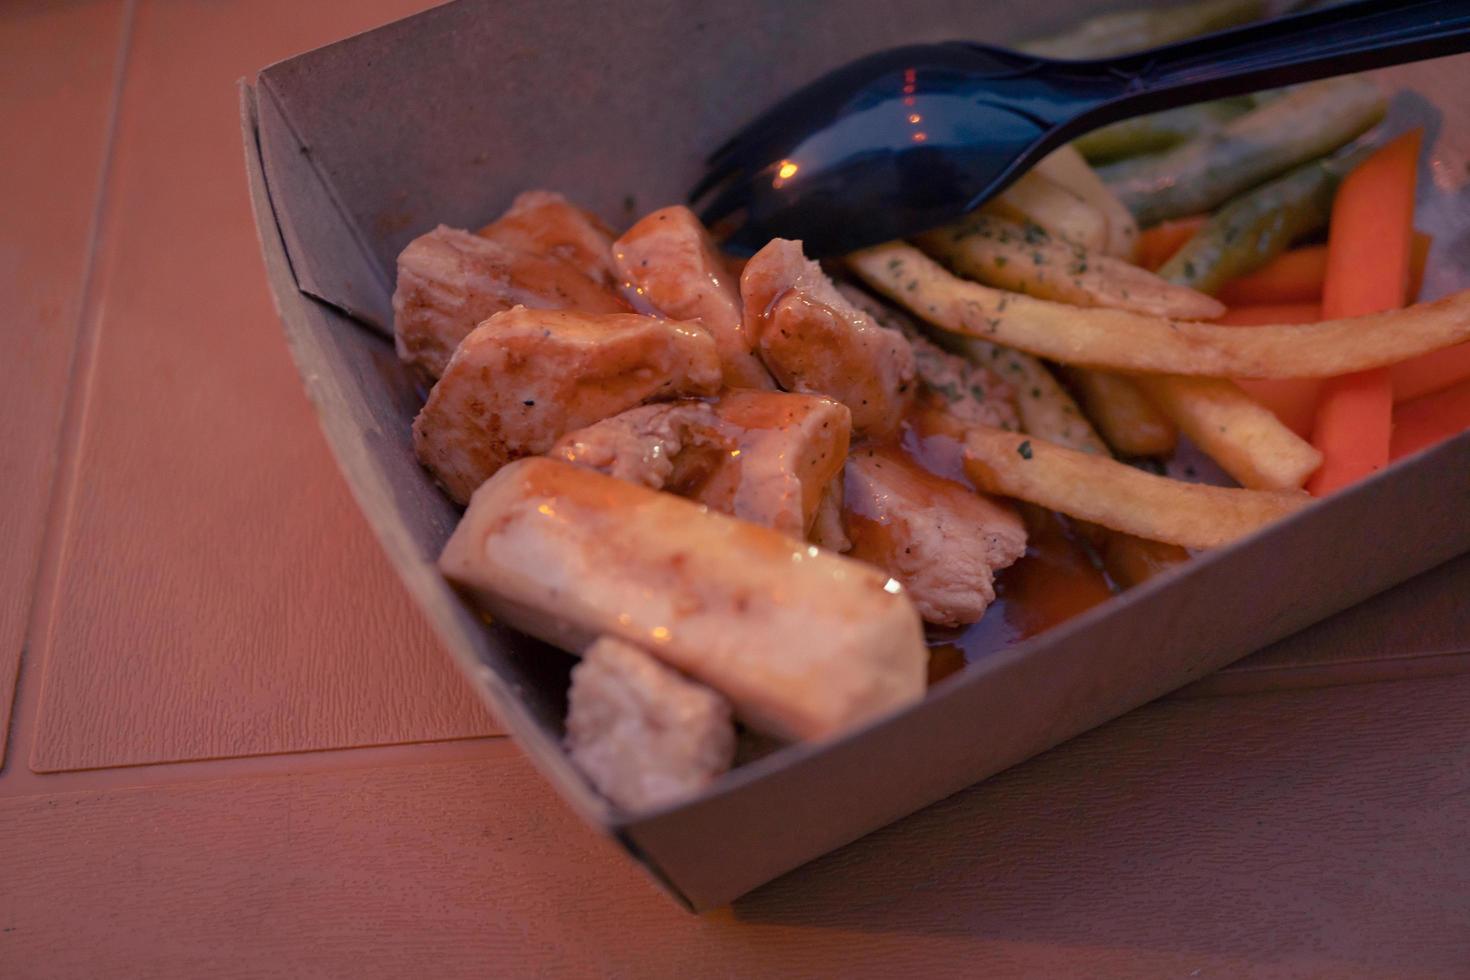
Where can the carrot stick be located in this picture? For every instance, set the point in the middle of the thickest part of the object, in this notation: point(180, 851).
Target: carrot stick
point(1292, 277)
point(1425, 421)
point(1428, 373)
point(1267, 313)
point(1369, 245)
point(1296, 276)
point(1293, 400)
point(1418, 259)
point(1158, 244)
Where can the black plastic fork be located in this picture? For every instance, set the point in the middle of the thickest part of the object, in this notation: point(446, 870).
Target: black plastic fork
point(910, 138)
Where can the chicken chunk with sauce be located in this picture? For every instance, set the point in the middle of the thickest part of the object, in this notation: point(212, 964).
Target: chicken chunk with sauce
point(524, 378)
point(813, 340)
point(971, 393)
point(942, 540)
point(763, 456)
point(640, 731)
point(652, 445)
point(828, 529)
point(804, 643)
point(670, 261)
point(546, 223)
point(450, 281)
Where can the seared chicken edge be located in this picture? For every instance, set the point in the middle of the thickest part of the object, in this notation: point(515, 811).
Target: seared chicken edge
point(803, 642)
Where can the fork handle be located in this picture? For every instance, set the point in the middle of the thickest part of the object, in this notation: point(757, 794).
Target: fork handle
point(1299, 48)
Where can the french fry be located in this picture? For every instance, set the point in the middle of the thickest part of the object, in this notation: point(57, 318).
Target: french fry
point(1255, 316)
point(1292, 400)
point(1242, 435)
point(1115, 495)
point(1127, 419)
point(1042, 201)
point(1067, 167)
point(1130, 560)
point(1043, 404)
point(1130, 342)
point(1025, 258)
point(1048, 411)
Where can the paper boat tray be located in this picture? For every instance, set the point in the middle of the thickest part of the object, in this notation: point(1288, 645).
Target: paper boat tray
point(355, 148)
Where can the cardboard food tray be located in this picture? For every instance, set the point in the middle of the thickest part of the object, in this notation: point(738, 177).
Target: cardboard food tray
point(355, 148)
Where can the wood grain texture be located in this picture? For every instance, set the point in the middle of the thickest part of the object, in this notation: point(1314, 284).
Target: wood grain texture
point(1299, 833)
point(216, 591)
point(57, 72)
point(1417, 629)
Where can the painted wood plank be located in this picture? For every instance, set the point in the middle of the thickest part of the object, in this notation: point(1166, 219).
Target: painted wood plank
point(58, 68)
point(217, 593)
point(1310, 833)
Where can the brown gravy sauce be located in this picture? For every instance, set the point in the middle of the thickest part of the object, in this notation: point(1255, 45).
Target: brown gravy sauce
point(1056, 579)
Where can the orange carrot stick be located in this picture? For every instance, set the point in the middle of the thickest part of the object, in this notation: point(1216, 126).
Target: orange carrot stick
point(1418, 259)
point(1425, 421)
point(1428, 373)
point(1292, 400)
point(1158, 244)
point(1292, 277)
point(1369, 245)
point(1264, 313)
point(1296, 276)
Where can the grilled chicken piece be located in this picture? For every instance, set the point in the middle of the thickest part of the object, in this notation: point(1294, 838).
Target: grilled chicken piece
point(803, 642)
point(761, 456)
point(545, 223)
point(942, 540)
point(650, 444)
point(828, 530)
point(523, 378)
point(642, 733)
point(450, 281)
point(972, 393)
point(788, 449)
point(671, 262)
point(813, 340)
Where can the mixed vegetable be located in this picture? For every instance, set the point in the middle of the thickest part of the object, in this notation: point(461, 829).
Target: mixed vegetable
point(1287, 207)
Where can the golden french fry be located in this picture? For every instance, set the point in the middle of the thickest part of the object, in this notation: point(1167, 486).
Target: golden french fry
point(1236, 431)
point(1115, 495)
point(1043, 404)
point(1131, 560)
point(1025, 258)
point(1047, 411)
point(1129, 342)
point(1128, 420)
point(1067, 167)
point(1042, 201)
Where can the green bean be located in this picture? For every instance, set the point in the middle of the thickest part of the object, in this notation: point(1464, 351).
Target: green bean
point(1134, 30)
point(1159, 131)
point(1261, 224)
point(1305, 123)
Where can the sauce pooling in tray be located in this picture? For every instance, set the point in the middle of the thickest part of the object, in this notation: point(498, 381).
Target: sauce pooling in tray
point(1053, 582)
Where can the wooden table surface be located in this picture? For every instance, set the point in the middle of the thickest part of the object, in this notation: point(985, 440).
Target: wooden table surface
point(231, 747)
